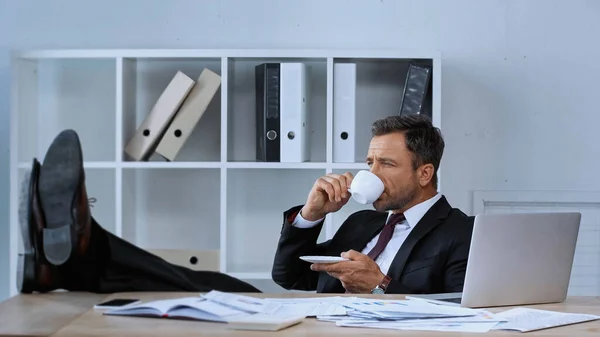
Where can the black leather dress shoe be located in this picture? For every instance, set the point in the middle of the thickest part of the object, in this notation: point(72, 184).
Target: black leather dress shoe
point(64, 200)
point(34, 272)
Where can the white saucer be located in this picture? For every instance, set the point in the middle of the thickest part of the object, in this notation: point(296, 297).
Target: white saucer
point(323, 259)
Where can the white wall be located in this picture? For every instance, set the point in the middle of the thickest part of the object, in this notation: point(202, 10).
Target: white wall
point(519, 81)
point(4, 147)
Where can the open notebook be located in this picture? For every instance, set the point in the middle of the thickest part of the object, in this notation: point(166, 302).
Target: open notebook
point(196, 308)
point(204, 309)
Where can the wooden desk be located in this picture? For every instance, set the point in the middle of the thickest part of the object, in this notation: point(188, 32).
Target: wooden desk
point(43, 314)
point(71, 314)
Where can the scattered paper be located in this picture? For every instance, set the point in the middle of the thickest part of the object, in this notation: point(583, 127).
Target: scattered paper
point(405, 315)
point(526, 319)
point(408, 314)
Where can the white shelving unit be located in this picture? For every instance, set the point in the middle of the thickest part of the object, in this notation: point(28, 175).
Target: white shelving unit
point(215, 196)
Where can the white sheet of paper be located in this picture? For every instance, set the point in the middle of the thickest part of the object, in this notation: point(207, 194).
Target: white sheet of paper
point(527, 319)
point(480, 327)
point(241, 302)
point(336, 318)
point(310, 309)
point(312, 306)
point(323, 299)
point(390, 308)
point(483, 317)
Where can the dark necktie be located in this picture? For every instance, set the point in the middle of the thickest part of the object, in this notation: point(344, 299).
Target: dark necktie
point(386, 235)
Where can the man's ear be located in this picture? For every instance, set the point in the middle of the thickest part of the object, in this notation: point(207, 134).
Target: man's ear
point(426, 173)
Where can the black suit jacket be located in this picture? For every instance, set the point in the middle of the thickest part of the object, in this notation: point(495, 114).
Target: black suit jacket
point(432, 259)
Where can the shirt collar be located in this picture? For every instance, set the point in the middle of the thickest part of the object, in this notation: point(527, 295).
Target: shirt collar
point(414, 214)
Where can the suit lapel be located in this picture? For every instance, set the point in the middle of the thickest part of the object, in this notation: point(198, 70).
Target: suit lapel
point(436, 214)
point(361, 236)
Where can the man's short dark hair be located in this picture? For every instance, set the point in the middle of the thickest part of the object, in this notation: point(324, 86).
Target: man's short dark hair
point(423, 140)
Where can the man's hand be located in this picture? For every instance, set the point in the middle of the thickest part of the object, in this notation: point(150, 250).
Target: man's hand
point(359, 275)
point(328, 194)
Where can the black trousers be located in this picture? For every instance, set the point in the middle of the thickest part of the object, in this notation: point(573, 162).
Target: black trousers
point(115, 265)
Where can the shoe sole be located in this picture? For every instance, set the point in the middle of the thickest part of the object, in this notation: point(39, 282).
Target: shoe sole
point(26, 261)
point(58, 182)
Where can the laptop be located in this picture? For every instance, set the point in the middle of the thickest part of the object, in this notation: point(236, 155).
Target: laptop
point(517, 259)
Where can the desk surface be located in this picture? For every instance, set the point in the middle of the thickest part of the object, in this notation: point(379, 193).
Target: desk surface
point(65, 314)
point(43, 314)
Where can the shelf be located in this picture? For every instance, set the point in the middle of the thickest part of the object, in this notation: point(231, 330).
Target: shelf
point(203, 165)
point(62, 94)
point(233, 53)
point(145, 79)
point(167, 209)
point(261, 165)
point(241, 106)
point(101, 187)
point(215, 196)
point(86, 164)
point(170, 165)
point(379, 90)
point(256, 200)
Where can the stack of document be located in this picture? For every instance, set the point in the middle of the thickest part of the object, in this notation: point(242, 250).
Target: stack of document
point(417, 314)
point(409, 315)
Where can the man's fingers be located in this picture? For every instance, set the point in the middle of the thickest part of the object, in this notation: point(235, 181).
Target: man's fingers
point(328, 267)
point(326, 186)
point(349, 177)
point(344, 186)
point(354, 255)
point(323, 267)
point(335, 183)
point(318, 267)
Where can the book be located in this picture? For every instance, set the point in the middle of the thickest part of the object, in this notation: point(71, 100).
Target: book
point(238, 311)
point(195, 308)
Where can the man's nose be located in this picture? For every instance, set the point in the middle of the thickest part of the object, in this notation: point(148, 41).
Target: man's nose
point(375, 169)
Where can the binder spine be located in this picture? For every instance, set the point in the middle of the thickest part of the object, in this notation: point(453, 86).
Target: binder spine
point(344, 112)
point(415, 89)
point(189, 114)
point(267, 79)
point(149, 133)
point(294, 101)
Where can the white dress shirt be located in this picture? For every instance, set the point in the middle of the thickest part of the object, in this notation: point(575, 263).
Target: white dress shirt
point(413, 215)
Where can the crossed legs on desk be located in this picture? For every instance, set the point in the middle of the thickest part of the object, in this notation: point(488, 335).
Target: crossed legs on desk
point(65, 248)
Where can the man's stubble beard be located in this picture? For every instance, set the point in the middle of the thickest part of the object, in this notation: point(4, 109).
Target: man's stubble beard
point(400, 202)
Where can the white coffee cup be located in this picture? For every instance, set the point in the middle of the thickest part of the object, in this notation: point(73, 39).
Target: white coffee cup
point(366, 187)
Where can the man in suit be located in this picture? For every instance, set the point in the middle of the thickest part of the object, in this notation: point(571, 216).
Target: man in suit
point(412, 242)
point(65, 248)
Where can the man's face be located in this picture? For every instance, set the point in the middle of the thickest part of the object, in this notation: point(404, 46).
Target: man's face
point(391, 161)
